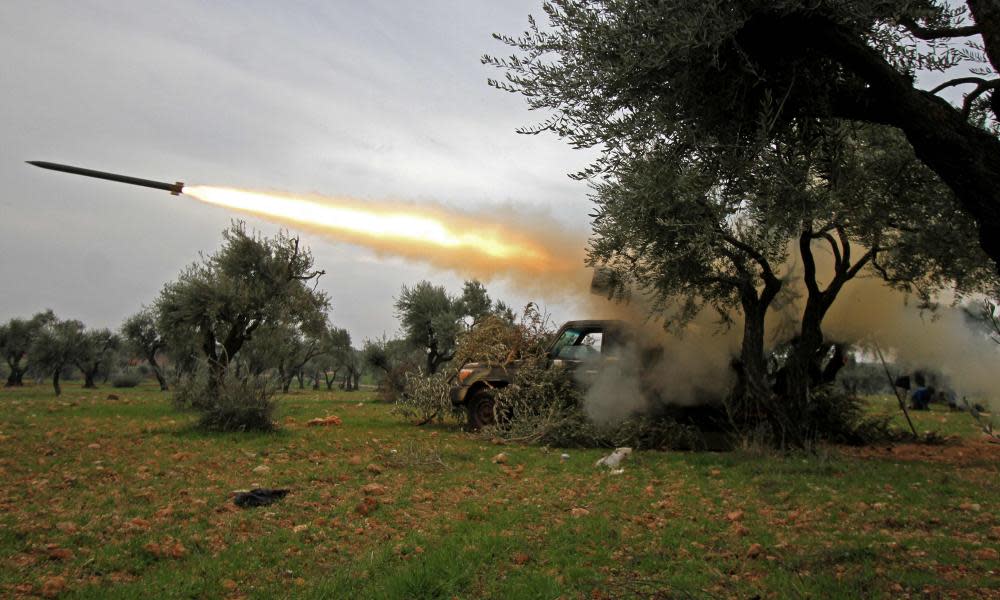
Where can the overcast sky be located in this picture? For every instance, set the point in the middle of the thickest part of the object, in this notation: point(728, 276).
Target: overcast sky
point(376, 100)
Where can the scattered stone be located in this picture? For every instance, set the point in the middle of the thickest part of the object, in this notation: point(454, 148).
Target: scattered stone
point(67, 527)
point(500, 459)
point(53, 586)
point(57, 553)
point(987, 554)
point(366, 506)
point(579, 512)
point(262, 469)
point(374, 489)
point(612, 460)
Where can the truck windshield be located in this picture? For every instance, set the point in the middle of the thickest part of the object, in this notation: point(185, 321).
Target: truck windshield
point(578, 344)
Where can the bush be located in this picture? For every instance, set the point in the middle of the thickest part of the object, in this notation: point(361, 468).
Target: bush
point(831, 415)
point(425, 399)
point(239, 404)
point(126, 379)
point(242, 404)
point(545, 407)
point(842, 418)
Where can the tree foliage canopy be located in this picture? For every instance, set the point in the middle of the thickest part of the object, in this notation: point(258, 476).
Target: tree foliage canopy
point(250, 282)
point(720, 79)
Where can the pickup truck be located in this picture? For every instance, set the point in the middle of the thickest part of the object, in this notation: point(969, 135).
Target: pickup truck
point(584, 346)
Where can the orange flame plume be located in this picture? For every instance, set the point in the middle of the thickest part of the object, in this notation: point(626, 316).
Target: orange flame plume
point(460, 242)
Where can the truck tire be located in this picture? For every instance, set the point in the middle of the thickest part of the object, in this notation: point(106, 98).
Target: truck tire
point(480, 410)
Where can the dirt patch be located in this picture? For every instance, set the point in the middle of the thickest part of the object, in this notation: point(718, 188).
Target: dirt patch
point(952, 452)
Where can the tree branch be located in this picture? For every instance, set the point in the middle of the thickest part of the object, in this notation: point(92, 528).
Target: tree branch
point(808, 262)
point(958, 81)
point(981, 89)
point(837, 260)
point(845, 244)
point(750, 251)
point(937, 33)
point(870, 255)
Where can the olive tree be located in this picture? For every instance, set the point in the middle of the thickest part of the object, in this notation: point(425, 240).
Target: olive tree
point(16, 338)
point(56, 348)
point(692, 238)
point(143, 338)
point(715, 167)
point(95, 354)
point(249, 283)
point(337, 358)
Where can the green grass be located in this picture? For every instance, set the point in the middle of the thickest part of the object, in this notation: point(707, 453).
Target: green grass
point(124, 498)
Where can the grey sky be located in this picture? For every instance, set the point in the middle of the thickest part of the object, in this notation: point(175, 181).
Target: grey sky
point(365, 99)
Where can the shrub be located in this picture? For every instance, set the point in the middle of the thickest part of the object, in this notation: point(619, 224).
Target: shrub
point(425, 399)
point(545, 407)
point(241, 403)
point(841, 417)
point(191, 389)
point(126, 379)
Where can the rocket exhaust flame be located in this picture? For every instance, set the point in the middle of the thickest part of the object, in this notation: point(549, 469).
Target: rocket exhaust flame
point(455, 241)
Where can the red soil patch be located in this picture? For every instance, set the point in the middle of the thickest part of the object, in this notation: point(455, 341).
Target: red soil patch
point(954, 452)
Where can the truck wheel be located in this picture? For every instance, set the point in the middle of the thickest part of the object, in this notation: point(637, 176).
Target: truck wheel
point(480, 410)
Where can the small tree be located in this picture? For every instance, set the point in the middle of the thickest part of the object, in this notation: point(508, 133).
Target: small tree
point(143, 338)
point(390, 360)
point(56, 348)
point(337, 357)
point(252, 281)
point(16, 338)
point(95, 353)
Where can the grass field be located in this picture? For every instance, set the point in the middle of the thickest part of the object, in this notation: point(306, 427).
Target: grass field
point(104, 498)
